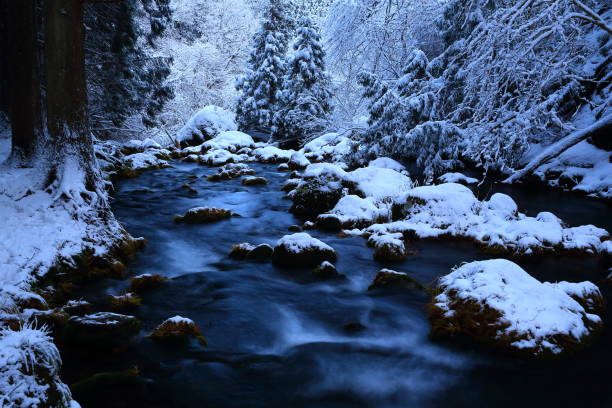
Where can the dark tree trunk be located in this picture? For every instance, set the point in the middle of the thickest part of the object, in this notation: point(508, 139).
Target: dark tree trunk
point(24, 79)
point(70, 143)
point(4, 94)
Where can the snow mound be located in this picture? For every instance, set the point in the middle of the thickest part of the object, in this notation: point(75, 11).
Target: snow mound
point(387, 163)
point(497, 302)
point(352, 211)
point(380, 183)
point(330, 146)
point(144, 161)
point(453, 210)
point(206, 124)
point(219, 157)
point(457, 178)
point(272, 154)
point(301, 241)
point(231, 141)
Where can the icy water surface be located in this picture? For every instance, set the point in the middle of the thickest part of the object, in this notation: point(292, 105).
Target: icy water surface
point(276, 337)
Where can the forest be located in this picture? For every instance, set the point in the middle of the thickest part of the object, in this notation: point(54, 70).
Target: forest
point(335, 203)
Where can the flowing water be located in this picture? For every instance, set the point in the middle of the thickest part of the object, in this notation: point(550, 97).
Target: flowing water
point(276, 336)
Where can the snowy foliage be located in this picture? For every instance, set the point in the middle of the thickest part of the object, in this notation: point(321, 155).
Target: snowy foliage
point(516, 75)
point(261, 86)
point(305, 99)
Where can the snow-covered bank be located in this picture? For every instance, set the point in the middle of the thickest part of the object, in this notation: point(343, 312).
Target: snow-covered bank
point(498, 303)
point(42, 235)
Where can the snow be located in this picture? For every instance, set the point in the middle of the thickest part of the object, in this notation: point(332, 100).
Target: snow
point(531, 311)
point(354, 209)
point(330, 146)
point(457, 178)
point(142, 145)
point(219, 157)
point(207, 123)
point(20, 352)
point(380, 183)
point(387, 163)
point(231, 140)
point(324, 170)
point(452, 210)
point(272, 154)
point(298, 160)
point(589, 166)
point(145, 160)
point(301, 241)
point(178, 320)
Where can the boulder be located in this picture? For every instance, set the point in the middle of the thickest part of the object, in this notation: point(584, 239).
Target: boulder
point(177, 329)
point(230, 171)
point(124, 303)
point(389, 247)
point(145, 282)
point(389, 279)
point(103, 329)
point(201, 215)
point(254, 181)
point(249, 251)
point(326, 270)
point(497, 303)
point(302, 250)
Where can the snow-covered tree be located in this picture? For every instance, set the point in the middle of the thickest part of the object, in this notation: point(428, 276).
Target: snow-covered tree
point(518, 75)
point(305, 101)
point(261, 86)
point(209, 47)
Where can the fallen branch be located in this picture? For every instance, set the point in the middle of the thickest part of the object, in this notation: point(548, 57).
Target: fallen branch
point(603, 126)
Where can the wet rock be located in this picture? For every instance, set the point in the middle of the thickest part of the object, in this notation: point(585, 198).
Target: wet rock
point(145, 282)
point(283, 167)
point(124, 303)
point(103, 329)
point(231, 171)
point(254, 181)
point(249, 251)
point(294, 228)
point(389, 279)
point(308, 225)
point(389, 247)
point(353, 327)
point(177, 329)
point(240, 251)
point(200, 215)
point(125, 384)
point(329, 222)
point(77, 307)
point(189, 188)
point(295, 175)
point(290, 185)
point(314, 197)
point(326, 270)
point(302, 250)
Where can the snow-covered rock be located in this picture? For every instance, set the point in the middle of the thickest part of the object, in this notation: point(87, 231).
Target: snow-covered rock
point(230, 171)
point(219, 157)
point(352, 211)
point(388, 163)
point(457, 178)
point(231, 141)
point(498, 303)
point(330, 146)
point(272, 154)
point(379, 183)
point(144, 161)
point(452, 210)
point(302, 250)
point(298, 161)
point(176, 329)
point(206, 124)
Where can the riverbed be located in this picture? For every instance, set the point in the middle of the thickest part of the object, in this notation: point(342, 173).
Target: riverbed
point(277, 337)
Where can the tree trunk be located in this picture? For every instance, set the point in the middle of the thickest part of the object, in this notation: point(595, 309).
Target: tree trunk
point(4, 103)
point(73, 169)
point(601, 127)
point(24, 93)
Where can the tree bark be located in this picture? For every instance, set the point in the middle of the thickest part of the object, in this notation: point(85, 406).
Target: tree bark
point(24, 90)
point(601, 127)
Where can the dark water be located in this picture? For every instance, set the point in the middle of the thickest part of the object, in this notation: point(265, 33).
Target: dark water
point(276, 337)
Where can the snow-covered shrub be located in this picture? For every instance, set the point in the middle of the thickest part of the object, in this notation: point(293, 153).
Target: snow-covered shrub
point(514, 75)
point(206, 124)
point(29, 371)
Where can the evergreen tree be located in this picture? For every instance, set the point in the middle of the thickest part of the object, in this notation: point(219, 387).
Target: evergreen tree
point(123, 82)
point(306, 96)
point(262, 83)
